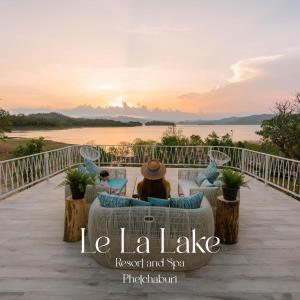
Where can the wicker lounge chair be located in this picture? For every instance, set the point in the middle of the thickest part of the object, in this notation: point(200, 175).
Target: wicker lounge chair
point(188, 186)
point(91, 190)
point(89, 152)
point(219, 157)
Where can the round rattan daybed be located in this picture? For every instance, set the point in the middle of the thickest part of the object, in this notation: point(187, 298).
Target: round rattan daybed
point(148, 221)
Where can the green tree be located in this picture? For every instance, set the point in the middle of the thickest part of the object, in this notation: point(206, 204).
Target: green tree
point(214, 140)
point(283, 130)
point(174, 137)
point(5, 121)
point(195, 140)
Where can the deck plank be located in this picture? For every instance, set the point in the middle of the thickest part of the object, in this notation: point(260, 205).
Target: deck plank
point(36, 264)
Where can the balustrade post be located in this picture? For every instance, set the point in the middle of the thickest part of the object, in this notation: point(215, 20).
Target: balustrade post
point(243, 160)
point(46, 158)
point(210, 148)
point(267, 168)
point(152, 152)
point(99, 158)
point(69, 157)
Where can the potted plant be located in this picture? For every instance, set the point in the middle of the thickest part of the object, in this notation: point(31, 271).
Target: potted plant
point(232, 181)
point(78, 182)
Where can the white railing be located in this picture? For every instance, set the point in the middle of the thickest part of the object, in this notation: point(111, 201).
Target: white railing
point(19, 173)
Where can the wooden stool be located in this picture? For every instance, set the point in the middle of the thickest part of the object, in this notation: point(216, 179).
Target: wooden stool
point(227, 220)
point(75, 219)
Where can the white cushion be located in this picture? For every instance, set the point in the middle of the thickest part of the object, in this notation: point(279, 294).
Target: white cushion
point(186, 185)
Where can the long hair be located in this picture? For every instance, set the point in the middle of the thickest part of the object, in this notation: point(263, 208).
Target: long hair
point(153, 188)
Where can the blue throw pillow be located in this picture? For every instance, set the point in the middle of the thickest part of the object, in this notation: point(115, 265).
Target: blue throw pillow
point(82, 169)
point(191, 202)
point(211, 172)
point(159, 202)
point(137, 202)
point(91, 167)
point(108, 200)
point(200, 178)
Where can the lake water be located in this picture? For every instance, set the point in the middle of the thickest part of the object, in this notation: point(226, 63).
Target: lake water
point(115, 135)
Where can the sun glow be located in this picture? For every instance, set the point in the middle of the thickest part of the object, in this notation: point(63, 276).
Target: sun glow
point(118, 102)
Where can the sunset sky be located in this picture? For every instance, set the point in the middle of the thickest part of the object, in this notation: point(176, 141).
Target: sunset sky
point(212, 58)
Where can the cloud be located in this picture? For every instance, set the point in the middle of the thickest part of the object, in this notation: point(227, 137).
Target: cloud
point(249, 68)
point(257, 83)
point(154, 30)
point(141, 111)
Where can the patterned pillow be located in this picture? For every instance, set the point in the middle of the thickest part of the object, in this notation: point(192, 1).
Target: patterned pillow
point(200, 178)
point(82, 169)
point(137, 202)
point(91, 167)
point(211, 172)
point(190, 202)
point(159, 202)
point(109, 200)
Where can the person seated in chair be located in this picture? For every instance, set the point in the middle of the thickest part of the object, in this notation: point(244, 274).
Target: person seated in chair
point(154, 184)
point(104, 181)
point(104, 177)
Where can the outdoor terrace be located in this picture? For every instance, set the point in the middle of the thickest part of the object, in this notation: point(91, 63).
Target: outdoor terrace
point(37, 264)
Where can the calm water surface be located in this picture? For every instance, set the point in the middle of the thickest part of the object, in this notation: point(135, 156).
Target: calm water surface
point(113, 135)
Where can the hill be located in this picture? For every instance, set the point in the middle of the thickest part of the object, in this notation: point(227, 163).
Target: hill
point(247, 120)
point(57, 120)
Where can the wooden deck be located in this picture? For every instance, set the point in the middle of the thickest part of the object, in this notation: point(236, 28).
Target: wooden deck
point(36, 264)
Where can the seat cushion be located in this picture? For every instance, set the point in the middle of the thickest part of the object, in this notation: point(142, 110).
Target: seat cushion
point(218, 183)
point(117, 183)
point(186, 185)
point(109, 200)
point(206, 183)
point(190, 202)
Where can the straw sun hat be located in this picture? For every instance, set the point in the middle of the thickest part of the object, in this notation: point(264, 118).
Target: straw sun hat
point(153, 170)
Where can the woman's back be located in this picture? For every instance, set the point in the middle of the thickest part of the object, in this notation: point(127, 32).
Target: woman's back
point(153, 188)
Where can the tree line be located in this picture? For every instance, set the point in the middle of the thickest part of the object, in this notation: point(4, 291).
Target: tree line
point(56, 120)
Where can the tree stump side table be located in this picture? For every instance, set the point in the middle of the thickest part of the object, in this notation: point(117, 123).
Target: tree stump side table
point(75, 219)
point(227, 220)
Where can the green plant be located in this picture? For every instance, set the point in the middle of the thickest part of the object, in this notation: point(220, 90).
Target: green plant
point(30, 147)
point(78, 182)
point(233, 179)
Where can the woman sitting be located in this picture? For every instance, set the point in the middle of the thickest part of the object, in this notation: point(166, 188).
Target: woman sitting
point(154, 184)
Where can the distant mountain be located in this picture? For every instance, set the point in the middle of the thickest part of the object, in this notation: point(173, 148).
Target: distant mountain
point(57, 120)
point(247, 120)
